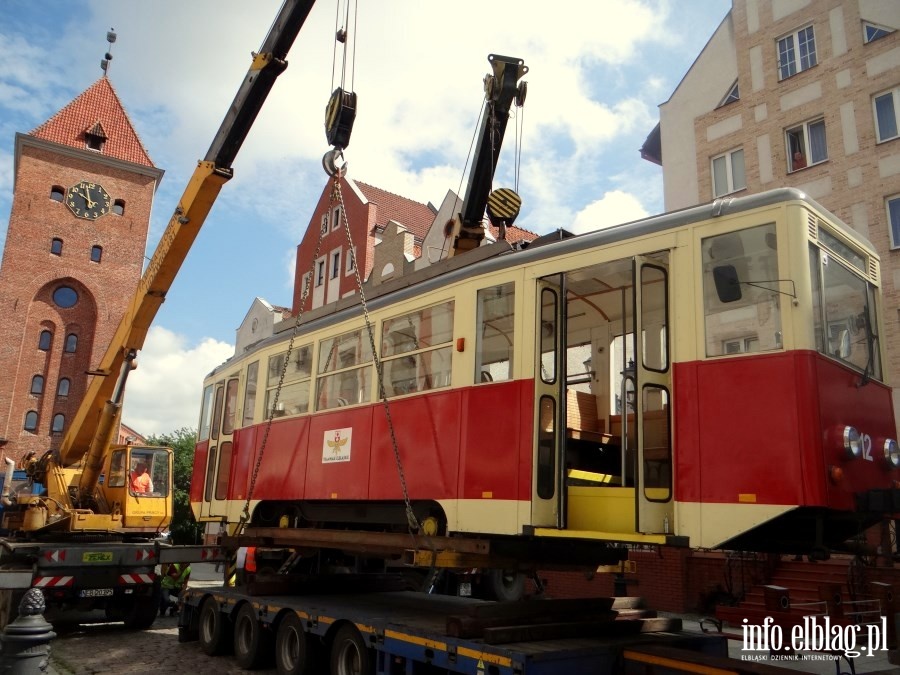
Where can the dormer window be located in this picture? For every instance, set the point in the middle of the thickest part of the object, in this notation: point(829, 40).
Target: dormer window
point(95, 137)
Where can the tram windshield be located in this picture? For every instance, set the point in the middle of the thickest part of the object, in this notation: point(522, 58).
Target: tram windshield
point(844, 307)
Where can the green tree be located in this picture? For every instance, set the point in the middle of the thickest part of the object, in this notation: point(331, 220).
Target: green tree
point(184, 529)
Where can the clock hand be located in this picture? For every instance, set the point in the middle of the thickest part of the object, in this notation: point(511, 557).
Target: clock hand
point(87, 197)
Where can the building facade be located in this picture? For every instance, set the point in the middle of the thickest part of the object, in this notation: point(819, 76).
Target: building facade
point(801, 93)
point(83, 190)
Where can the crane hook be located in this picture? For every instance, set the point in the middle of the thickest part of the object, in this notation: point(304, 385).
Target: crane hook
point(333, 163)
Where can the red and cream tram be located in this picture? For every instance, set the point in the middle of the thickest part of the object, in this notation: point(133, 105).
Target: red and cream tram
point(710, 377)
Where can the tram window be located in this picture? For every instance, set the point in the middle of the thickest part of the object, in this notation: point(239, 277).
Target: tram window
point(753, 318)
point(217, 410)
point(845, 315)
point(495, 336)
point(293, 398)
point(657, 446)
point(546, 457)
point(210, 474)
point(231, 393)
point(224, 472)
point(206, 413)
point(426, 332)
point(654, 318)
point(549, 333)
point(345, 370)
point(250, 394)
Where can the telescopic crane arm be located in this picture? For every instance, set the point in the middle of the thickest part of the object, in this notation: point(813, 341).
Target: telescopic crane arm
point(501, 90)
point(91, 432)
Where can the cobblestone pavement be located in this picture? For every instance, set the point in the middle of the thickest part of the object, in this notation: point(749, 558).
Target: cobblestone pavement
point(85, 649)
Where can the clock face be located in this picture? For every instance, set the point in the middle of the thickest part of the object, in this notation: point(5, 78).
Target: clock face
point(88, 200)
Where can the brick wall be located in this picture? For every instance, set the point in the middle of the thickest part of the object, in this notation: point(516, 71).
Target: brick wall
point(30, 273)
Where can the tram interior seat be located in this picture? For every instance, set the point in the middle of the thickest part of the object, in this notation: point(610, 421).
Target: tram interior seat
point(592, 455)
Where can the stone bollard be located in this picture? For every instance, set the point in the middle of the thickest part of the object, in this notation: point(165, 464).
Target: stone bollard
point(25, 643)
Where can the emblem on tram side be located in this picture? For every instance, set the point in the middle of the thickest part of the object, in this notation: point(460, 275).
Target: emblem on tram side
point(336, 447)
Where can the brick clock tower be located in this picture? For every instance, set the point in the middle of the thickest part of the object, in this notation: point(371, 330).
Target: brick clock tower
point(83, 189)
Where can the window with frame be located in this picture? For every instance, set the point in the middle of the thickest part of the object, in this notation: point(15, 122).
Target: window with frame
point(293, 399)
point(806, 144)
point(796, 52)
point(206, 409)
point(320, 271)
point(37, 385)
point(250, 394)
point(734, 94)
point(71, 345)
point(96, 253)
point(56, 245)
point(885, 106)
point(335, 264)
point(872, 31)
point(495, 333)
point(336, 218)
point(59, 422)
point(416, 350)
point(62, 389)
point(31, 420)
point(324, 227)
point(118, 207)
point(345, 370)
point(57, 193)
point(351, 261)
point(728, 173)
point(45, 340)
point(892, 204)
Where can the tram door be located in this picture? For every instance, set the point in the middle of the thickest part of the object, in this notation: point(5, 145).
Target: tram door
point(218, 462)
point(548, 507)
point(648, 390)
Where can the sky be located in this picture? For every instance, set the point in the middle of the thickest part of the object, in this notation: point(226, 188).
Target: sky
point(598, 69)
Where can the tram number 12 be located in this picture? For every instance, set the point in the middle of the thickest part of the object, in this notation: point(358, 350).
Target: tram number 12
point(867, 447)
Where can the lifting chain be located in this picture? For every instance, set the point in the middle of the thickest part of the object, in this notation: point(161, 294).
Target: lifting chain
point(337, 196)
point(304, 295)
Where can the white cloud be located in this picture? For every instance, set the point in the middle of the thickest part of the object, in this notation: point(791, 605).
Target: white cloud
point(163, 394)
point(614, 208)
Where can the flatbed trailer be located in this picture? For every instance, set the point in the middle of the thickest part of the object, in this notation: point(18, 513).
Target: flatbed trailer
point(412, 633)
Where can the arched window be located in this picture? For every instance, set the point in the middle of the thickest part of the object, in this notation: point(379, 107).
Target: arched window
point(71, 343)
point(96, 253)
point(37, 384)
point(119, 207)
point(62, 388)
point(56, 246)
point(59, 421)
point(31, 420)
point(45, 341)
point(57, 193)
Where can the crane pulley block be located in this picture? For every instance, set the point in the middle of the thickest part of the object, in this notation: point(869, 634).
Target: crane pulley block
point(339, 116)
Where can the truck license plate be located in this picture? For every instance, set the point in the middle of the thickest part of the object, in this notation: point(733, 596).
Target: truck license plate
point(95, 592)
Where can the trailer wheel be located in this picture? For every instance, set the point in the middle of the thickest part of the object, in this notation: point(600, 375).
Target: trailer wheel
point(215, 633)
point(295, 649)
point(252, 643)
point(505, 586)
point(349, 653)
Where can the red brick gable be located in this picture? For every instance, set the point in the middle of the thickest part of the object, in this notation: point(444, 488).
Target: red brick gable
point(414, 216)
point(97, 108)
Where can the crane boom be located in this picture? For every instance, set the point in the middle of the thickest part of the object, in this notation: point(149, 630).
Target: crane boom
point(211, 174)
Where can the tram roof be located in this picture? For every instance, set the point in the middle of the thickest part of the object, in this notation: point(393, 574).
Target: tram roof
point(501, 255)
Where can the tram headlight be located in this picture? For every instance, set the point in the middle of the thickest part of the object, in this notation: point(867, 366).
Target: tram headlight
point(892, 453)
point(852, 443)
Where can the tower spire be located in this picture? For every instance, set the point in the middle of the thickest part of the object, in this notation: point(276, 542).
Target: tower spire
point(104, 64)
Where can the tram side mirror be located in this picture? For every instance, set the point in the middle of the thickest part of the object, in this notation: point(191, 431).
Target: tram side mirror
point(728, 288)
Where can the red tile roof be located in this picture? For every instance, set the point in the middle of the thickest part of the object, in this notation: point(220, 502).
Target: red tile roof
point(414, 216)
point(97, 108)
point(514, 234)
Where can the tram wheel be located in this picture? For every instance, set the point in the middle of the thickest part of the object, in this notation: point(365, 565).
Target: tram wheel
point(215, 636)
point(349, 653)
point(505, 586)
point(295, 649)
point(252, 643)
